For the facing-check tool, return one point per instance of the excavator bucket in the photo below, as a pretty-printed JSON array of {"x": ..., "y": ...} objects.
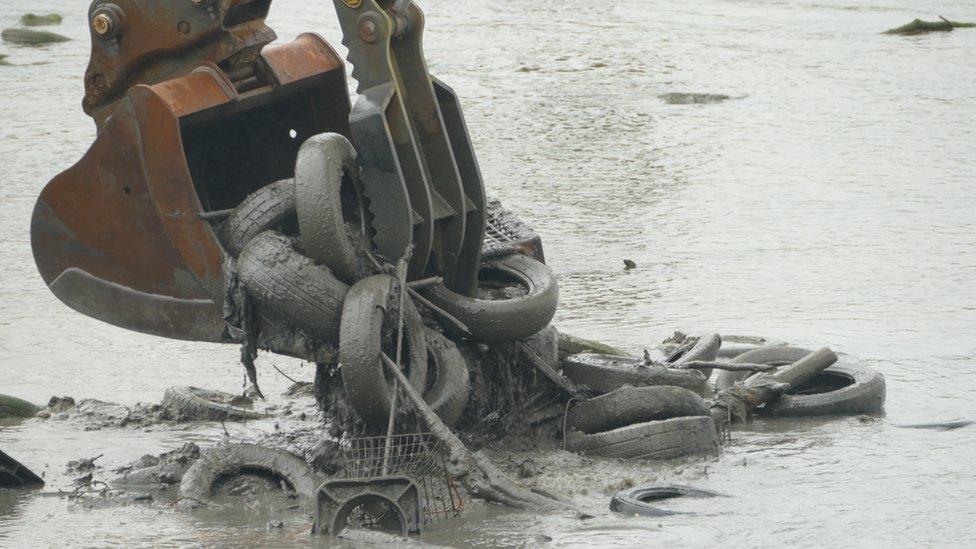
[{"x": 193, "y": 113}]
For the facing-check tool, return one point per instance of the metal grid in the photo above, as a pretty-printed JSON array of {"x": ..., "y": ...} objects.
[
  {"x": 505, "y": 233},
  {"x": 419, "y": 456}
]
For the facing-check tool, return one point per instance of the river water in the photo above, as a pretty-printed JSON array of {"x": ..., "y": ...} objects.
[{"x": 829, "y": 202}]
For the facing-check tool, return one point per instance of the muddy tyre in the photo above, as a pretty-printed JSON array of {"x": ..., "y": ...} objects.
[
  {"x": 329, "y": 205},
  {"x": 514, "y": 318},
  {"x": 665, "y": 439},
  {"x": 630, "y": 405},
  {"x": 846, "y": 387},
  {"x": 192, "y": 403},
  {"x": 264, "y": 209},
  {"x": 15, "y": 407},
  {"x": 233, "y": 459},
  {"x": 291, "y": 286},
  {"x": 362, "y": 340},
  {"x": 450, "y": 387},
  {"x": 602, "y": 374},
  {"x": 636, "y": 501}
]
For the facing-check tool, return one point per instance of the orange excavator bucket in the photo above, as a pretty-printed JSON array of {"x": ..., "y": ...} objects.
[{"x": 193, "y": 113}]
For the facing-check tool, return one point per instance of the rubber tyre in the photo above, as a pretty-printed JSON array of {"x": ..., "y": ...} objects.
[
  {"x": 15, "y": 407},
  {"x": 492, "y": 320},
  {"x": 368, "y": 386},
  {"x": 630, "y": 405},
  {"x": 634, "y": 501},
  {"x": 602, "y": 374},
  {"x": 864, "y": 394},
  {"x": 264, "y": 209},
  {"x": 192, "y": 403},
  {"x": 451, "y": 387},
  {"x": 665, "y": 439},
  {"x": 232, "y": 459},
  {"x": 324, "y": 160},
  {"x": 291, "y": 286}
]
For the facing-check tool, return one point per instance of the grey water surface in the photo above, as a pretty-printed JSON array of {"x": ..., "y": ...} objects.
[{"x": 830, "y": 200}]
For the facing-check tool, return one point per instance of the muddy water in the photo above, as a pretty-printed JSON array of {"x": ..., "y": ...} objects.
[{"x": 828, "y": 201}]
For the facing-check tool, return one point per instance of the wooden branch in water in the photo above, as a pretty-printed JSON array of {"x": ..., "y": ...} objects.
[
  {"x": 728, "y": 366},
  {"x": 739, "y": 400},
  {"x": 551, "y": 374}
]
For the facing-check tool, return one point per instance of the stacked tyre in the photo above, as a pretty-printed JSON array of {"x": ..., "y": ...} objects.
[
  {"x": 320, "y": 282},
  {"x": 654, "y": 422}
]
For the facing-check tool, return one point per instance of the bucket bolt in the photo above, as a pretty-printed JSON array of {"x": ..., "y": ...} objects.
[{"x": 107, "y": 21}]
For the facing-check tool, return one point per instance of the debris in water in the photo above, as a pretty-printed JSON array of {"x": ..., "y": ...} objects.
[
  {"x": 919, "y": 27},
  {"x": 4, "y": 62},
  {"x": 14, "y": 475},
  {"x": 30, "y": 37},
  {"x": 13, "y": 406},
  {"x": 940, "y": 425},
  {"x": 166, "y": 469},
  {"x": 629, "y": 264},
  {"x": 35, "y": 20},
  {"x": 678, "y": 98},
  {"x": 84, "y": 464},
  {"x": 57, "y": 404}
]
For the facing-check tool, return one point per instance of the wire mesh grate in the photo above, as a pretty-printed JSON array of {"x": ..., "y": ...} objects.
[{"x": 419, "y": 456}]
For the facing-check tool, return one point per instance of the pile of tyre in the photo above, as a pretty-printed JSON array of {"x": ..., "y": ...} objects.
[
  {"x": 303, "y": 254},
  {"x": 641, "y": 408}
]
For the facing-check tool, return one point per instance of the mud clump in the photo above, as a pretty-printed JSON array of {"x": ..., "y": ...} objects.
[
  {"x": 161, "y": 471},
  {"x": 96, "y": 414}
]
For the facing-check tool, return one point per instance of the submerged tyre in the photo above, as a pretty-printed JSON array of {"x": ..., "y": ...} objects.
[
  {"x": 637, "y": 501},
  {"x": 264, "y": 209},
  {"x": 363, "y": 340},
  {"x": 234, "y": 459},
  {"x": 329, "y": 205},
  {"x": 449, "y": 385},
  {"x": 665, "y": 439},
  {"x": 527, "y": 296},
  {"x": 602, "y": 374},
  {"x": 291, "y": 286},
  {"x": 630, "y": 405},
  {"x": 846, "y": 387},
  {"x": 192, "y": 403}
]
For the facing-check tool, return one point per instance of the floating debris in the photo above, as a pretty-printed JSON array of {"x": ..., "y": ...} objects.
[
  {"x": 35, "y": 20},
  {"x": 13, "y": 406},
  {"x": 920, "y": 27},
  {"x": 679, "y": 98},
  {"x": 30, "y": 37},
  {"x": 14, "y": 475}
]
